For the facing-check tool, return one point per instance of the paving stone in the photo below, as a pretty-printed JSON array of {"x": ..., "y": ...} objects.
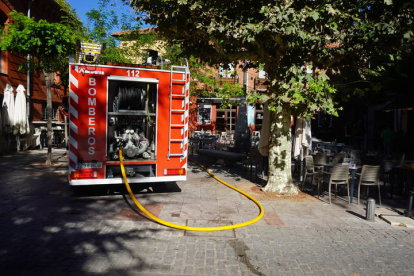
[{"x": 398, "y": 220}]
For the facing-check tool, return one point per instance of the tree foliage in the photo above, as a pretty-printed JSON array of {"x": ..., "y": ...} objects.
[
  {"x": 102, "y": 21},
  {"x": 50, "y": 43}
]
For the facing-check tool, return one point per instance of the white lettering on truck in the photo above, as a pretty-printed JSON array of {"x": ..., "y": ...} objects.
[{"x": 91, "y": 120}]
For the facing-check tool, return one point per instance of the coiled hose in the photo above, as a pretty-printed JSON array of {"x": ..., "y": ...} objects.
[{"x": 191, "y": 228}]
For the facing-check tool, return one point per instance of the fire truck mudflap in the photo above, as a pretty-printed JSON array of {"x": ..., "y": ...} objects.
[{"x": 143, "y": 110}]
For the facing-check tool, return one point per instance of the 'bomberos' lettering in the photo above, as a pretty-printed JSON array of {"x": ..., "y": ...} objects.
[{"x": 91, "y": 116}]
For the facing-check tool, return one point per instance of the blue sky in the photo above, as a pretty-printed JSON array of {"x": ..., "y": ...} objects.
[{"x": 84, "y": 6}]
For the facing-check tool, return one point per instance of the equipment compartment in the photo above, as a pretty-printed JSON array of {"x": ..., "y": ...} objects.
[
  {"x": 131, "y": 119},
  {"x": 132, "y": 171}
]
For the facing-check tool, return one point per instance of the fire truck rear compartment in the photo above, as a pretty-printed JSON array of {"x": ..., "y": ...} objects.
[
  {"x": 132, "y": 171},
  {"x": 131, "y": 125}
]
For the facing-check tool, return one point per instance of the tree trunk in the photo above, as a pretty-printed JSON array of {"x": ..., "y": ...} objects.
[
  {"x": 49, "y": 118},
  {"x": 280, "y": 151}
]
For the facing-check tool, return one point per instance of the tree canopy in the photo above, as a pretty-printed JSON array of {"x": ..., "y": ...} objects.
[
  {"x": 50, "y": 43},
  {"x": 332, "y": 36},
  {"x": 307, "y": 48}
]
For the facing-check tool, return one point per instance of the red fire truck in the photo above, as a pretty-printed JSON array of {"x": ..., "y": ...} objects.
[{"x": 143, "y": 110}]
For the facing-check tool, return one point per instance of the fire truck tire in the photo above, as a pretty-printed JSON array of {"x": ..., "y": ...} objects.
[
  {"x": 77, "y": 191},
  {"x": 191, "y": 228}
]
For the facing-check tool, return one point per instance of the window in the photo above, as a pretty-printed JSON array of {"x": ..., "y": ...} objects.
[
  {"x": 54, "y": 111},
  {"x": 262, "y": 74},
  {"x": 204, "y": 114},
  {"x": 226, "y": 120},
  {"x": 226, "y": 73}
]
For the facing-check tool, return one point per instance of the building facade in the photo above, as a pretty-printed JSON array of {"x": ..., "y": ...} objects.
[{"x": 10, "y": 74}]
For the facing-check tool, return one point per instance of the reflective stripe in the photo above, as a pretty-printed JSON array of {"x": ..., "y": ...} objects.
[{"x": 73, "y": 127}]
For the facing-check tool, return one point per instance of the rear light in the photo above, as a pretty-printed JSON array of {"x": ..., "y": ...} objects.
[
  {"x": 174, "y": 171},
  {"x": 84, "y": 174}
]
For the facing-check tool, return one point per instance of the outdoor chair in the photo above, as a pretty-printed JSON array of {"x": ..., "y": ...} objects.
[
  {"x": 356, "y": 154},
  {"x": 316, "y": 146},
  {"x": 338, "y": 157},
  {"x": 310, "y": 170},
  {"x": 355, "y": 161},
  {"x": 194, "y": 143},
  {"x": 208, "y": 142},
  {"x": 253, "y": 159},
  {"x": 338, "y": 176},
  {"x": 196, "y": 133},
  {"x": 347, "y": 150},
  {"x": 320, "y": 159},
  {"x": 230, "y": 139},
  {"x": 223, "y": 137},
  {"x": 386, "y": 170},
  {"x": 369, "y": 176}
]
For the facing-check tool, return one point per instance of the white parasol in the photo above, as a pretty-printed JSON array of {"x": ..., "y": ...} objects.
[
  {"x": 302, "y": 142},
  {"x": 297, "y": 142},
  {"x": 20, "y": 115},
  {"x": 303, "y": 138},
  {"x": 7, "y": 109}
]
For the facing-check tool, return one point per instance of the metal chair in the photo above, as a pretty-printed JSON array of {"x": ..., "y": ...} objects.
[
  {"x": 339, "y": 175},
  {"x": 369, "y": 176},
  {"x": 310, "y": 170}
]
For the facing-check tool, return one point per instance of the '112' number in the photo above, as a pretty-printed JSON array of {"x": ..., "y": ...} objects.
[{"x": 133, "y": 73}]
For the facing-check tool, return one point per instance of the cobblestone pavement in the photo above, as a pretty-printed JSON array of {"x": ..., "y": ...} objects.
[{"x": 45, "y": 230}]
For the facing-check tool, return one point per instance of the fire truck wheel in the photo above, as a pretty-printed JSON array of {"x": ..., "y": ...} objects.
[{"x": 77, "y": 191}]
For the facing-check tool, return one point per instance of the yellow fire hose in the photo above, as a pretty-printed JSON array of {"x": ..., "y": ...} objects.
[{"x": 191, "y": 228}]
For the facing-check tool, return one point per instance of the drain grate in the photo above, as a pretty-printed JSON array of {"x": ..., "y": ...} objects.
[{"x": 210, "y": 223}]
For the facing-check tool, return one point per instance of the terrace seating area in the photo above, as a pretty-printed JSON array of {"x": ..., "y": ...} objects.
[
  {"x": 387, "y": 175},
  {"x": 367, "y": 174}
]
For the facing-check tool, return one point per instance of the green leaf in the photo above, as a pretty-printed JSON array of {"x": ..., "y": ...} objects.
[
  {"x": 279, "y": 108},
  {"x": 314, "y": 15}
]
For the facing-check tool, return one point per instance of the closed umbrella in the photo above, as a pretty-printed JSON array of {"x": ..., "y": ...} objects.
[
  {"x": 302, "y": 141},
  {"x": 297, "y": 142},
  {"x": 7, "y": 109},
  {"x": 303, "y": 137},
  {"x": 307, "y": 135},
  {"x": 242, "y": 132},
  {"x": 20, "y": 116}
]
